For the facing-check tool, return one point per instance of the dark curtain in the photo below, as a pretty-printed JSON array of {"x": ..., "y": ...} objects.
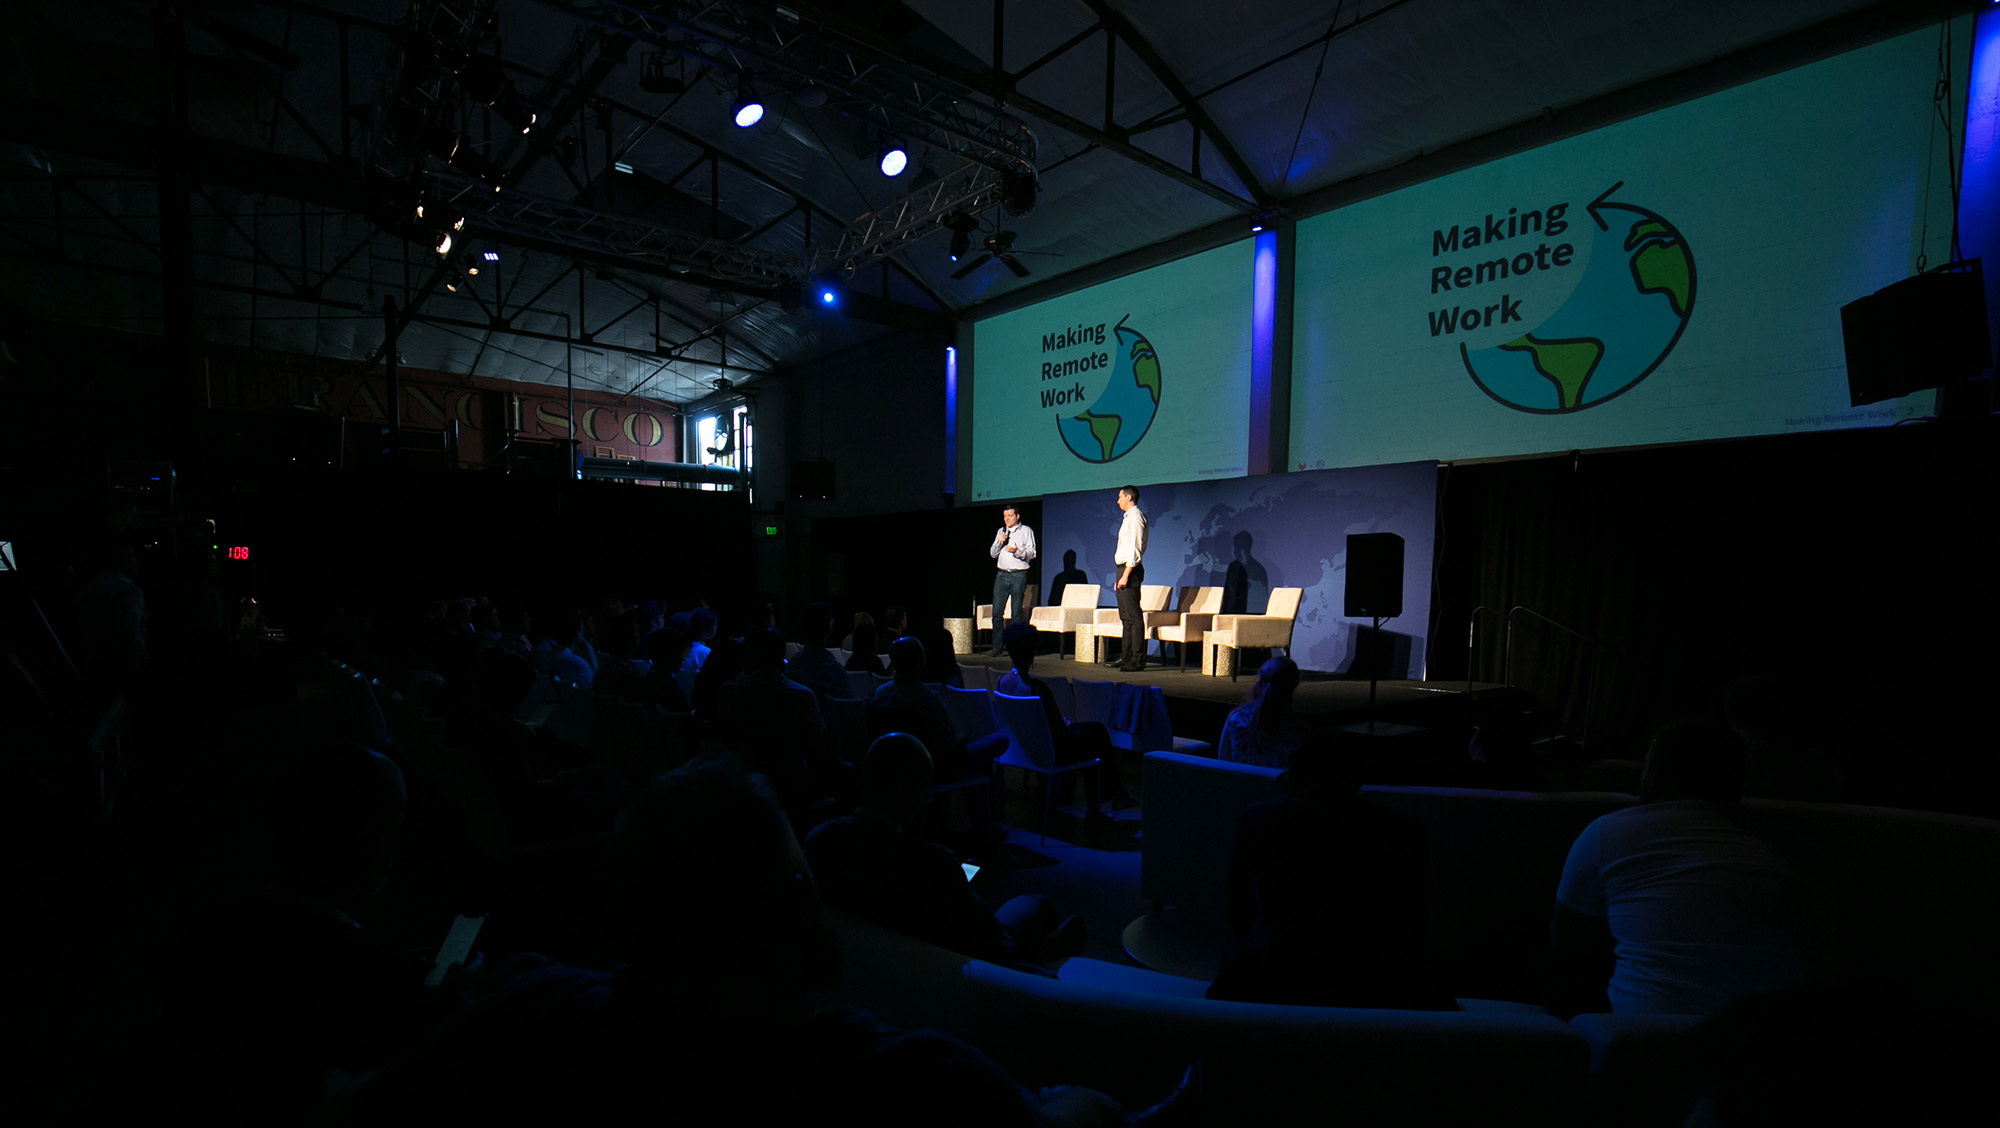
[{"x": 1854, "y": 565}]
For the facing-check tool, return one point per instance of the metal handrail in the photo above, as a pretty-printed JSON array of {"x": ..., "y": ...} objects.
[{"x": 1507, "y": 654}]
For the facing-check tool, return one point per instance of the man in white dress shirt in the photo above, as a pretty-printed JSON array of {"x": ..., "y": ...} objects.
[
  {"x": 1013, "y": 547},
  {"x": 1130, "y": 558}
]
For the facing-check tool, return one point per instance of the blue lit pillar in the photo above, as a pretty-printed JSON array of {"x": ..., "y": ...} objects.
[
  {"x": 950, "y": 420},
  {"x": 1979, "y": 194},
  {"x": 1271, "y": 349}
]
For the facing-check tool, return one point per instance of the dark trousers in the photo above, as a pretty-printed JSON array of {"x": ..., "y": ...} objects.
[
  {"x": 1133, "y": 650},
  {"x": 1007, "y": 584}
]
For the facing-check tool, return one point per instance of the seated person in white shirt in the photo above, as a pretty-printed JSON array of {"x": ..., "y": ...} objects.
[{"x": 1671, "y": 906}]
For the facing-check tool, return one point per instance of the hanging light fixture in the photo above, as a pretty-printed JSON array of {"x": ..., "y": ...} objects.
[
  {"x": 748, "y": 109},
  {"x": 893, "y": 158}
]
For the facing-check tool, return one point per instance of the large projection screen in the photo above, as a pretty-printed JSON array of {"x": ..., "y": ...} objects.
[
  {"x": 1139, "y": 380},
  {"x": 1677, "y": 276}
]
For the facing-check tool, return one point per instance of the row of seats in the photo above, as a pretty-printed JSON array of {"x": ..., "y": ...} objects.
[{"x": 1196, "y": 620}]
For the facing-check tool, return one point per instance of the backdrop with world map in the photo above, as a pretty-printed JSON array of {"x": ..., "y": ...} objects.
[{"x": 1288, "y": 530}]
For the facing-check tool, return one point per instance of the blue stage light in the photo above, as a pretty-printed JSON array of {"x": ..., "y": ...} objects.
[{"x": 894, "y": 158}]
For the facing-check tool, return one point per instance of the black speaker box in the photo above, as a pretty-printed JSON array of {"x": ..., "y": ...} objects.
[
  {"x": 812, "y": 479},
  {"x": 1915, "y": 334},
  {"x": 1374, "y": 575}
]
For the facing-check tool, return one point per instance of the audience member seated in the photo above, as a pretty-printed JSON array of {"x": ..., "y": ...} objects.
[
  {"x": 1779, "y": 763},
  {"x": 861, "y": 653},
  {"x": 774, "y": 723},
  {"x": 940, "y": 660},
  {"x": 1084, "y": 740},
  {"x": 1327, "y": 898},
  {"x": 699, "y": 625},
  {"x": 724, "y": 662},
  {"x": 895, "y": 623},
  {"x": 661, "y": 686},
  {"x": 514, "y": 758},
  {"x": 904, "y": 702},
  {"x": 814, "y": 666},
  {"x": 278, "y": 992},
  {"x": 1264, "y": 730},
  {"x": 571, "y": 657},
  {"x": 709, "y": 1019},
  {"x": 906, "y": 695},
  {"x": 860, "y": 617},
  {"x": 515, "y": 634},
  {"x": 618, "y": 670},
  {"x": 872, "y": 865},
  {"x": 1671, "y": 907}
]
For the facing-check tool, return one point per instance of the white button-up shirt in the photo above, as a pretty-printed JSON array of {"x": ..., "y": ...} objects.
[
  {"x": 1023, "y": 540},
  {"x": 1131, "y": 539}
]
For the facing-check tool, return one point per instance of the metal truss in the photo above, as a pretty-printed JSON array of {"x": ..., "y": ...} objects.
[
  {"x": 796, "y": 48},
  {"x": 594, "y": 235},
  {"x": 883, "y": 232},
  {"x": 419, "y": 91}
]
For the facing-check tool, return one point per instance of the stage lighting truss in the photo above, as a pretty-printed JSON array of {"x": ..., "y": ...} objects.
[
  {"x": 789, "y": 51},
  {"x": 418, "y": 108},
  {"x": 523, "y": 220},
  {"x": 793, "y": 49}
]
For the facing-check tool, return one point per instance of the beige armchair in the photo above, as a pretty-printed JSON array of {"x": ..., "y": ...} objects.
[
  {"x": 1187, "y": 626},
  {"x": 1272, "y": 630},
  {"x": 1106, "y": 624},
  {"x": 982, "y": 614},
  {"x": 1079, "y": 604}
]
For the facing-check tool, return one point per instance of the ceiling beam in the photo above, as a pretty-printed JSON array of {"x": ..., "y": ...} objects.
[
  {"x": 1000, "y": 88},
  {"x": 1121, "y": 27}
]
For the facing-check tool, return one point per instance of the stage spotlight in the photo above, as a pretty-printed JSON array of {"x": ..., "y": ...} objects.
[
  {"x": 962, "y": 226},
  {"x": 516, "y": 113},
  {"x": 490, "y": 256},
  {"x": 894, "y": 159},
  {"x": 748, "y": 109},
  {"x": 1262, "y": 220},
  {"x": 826, "y": 295},
  {"x": 444, "y": 243}
]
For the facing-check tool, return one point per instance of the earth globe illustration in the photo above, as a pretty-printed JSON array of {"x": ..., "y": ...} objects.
[
  {"x": 1125, "y": 405},
  {"x": 1624, "y": 315}
]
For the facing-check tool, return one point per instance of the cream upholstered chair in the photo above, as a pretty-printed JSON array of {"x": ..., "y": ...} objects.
[
  {"x": 1079, "y": 604},
  {"x": 1185, "y": 627},
  {"x": 1272, "y": 630},
  {"x": 1105, "y": 624},
  {"x": 982, "y": 614}
]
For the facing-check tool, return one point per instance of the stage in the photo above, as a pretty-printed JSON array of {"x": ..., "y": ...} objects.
[{"x": 1198, "y": 704}]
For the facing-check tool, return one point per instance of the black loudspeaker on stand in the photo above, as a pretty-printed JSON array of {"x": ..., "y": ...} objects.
[{"x": 1375, "y": 591}]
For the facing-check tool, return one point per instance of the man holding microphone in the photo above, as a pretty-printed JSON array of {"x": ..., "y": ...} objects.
[{"x": 1013, "y": 547}]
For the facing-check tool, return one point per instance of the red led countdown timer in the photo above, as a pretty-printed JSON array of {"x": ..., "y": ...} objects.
[{"x": 239, "y": 552}]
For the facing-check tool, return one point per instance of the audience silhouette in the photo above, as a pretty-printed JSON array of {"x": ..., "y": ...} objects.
[{"x": 1671, "y": 906}]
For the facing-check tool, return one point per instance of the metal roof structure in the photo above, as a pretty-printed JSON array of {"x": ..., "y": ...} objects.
[{"x": 253, "y": 159}]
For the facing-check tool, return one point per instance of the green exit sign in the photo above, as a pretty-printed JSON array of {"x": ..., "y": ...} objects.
[{"x": 770, "y": 530}]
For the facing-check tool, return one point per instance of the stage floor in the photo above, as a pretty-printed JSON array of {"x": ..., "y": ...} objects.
[{"x": 1318, "y": 695}]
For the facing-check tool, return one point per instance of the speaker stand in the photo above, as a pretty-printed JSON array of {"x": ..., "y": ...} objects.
[{"x": 1373, "y": 727}]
